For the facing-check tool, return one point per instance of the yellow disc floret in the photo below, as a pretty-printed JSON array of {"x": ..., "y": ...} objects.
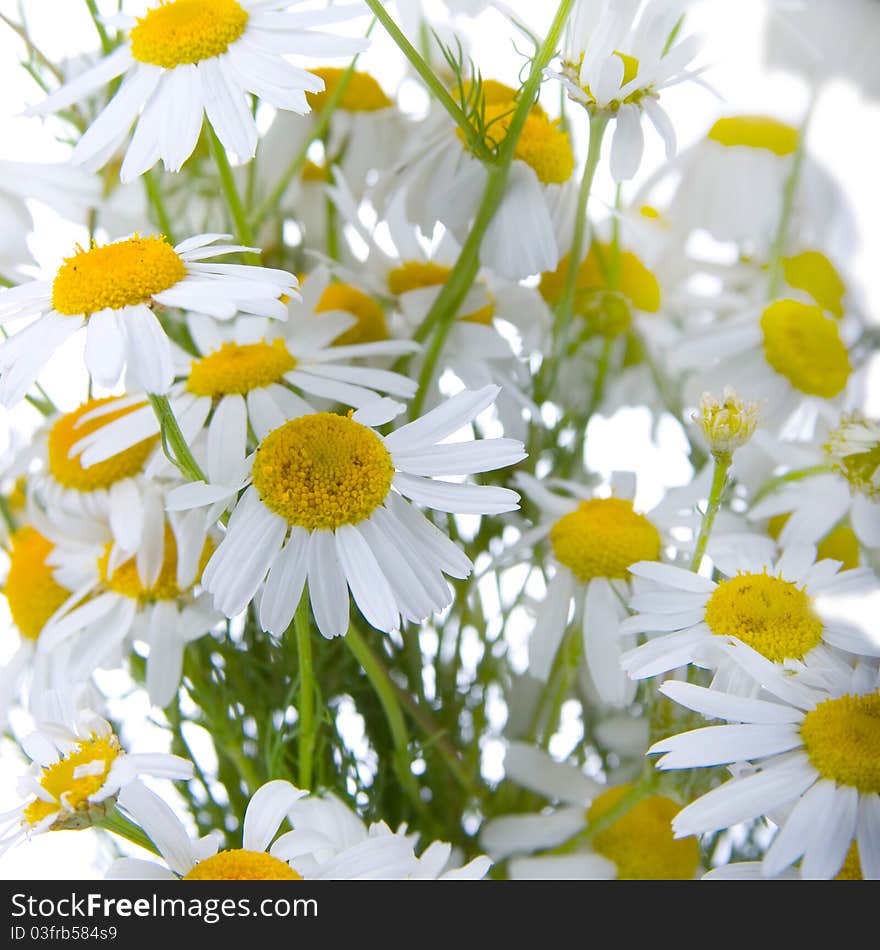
[
  {"x": 361, "y": 94},
  {"x": 71, "y": 781},
  {"x": 370, "y": 327},
  {"x": 852, "y": 866},
  {"x": 842, "y": 739},
  {"x": 755, "y": 131},
  {"x": 640, "y": 843},
  {"x": 31, "y": 591},
  {"x": 126, "y": 581},
  {"x": 603, "y": 537},
  {"x": 771, "y": 615},
  {"x": 322, "y": 471},
  {"x": 237, "y": 368},
  {"x": 187, "y": 31},
  {"x": 417, "y": 275},
  {"x": 840, "y": 544},
  {"x": 116, "y": 275},
  {"x": 240, "y": 865},
  {"x": 805, "y": 347},
  {"x": 542, "y": 145},
  {"x": 68, "y": 430},
  {"x": 812, "y": 272}
]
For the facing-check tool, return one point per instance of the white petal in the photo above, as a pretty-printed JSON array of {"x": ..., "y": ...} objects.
[
  {"x": 370, "y": 588},
  {"x": 328, "y": 591},
  {"x": 284, "y": 585},
  {"x": 266, "y": 810}
]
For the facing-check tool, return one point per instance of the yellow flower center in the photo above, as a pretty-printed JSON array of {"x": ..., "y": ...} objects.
[
  {"x": 840, "y": 544},
  {"x": 770, "y": 615},
  {"x": 362, "y": 94},
  {"x": 603, "y": 271},
  {"x": 241, "y": 865},
  {"x": 187, "y": 31},
  {"x": 321, "y": 471},
  {"x": 812, "y": 272},
  {"x": 72, "y": 780},
  {"x": 313, "y": 172},
  {"x": 804, "y": 346},
  {"x": 852, "y": 866},
  {"x": 542, "y": 145},
  {"x": 640, "y": 843},
  {"x": 31, "y": 591},
  {"x": 237, "y": 368},
  {"x": 17, "y": 498},
  {"x": 116, "y": 275},
  {"x": 630, "y": 71},
  {"x": 126, "y": 581},
  {"x": 68, "y": 430},
  {"x": 603, "y": 537},
  {"x": 756, "y": 131},
  {"x": 860, "y": 470},
  {"x": 370, "y": 327},
  {"x": 842, "y": 739},
  {"x": 416, "y": 275}
]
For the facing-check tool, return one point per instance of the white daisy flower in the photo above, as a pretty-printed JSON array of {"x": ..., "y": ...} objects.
[
  {"x": 32, "y": 596},
  {"x": 732, "y": 184},
  {"x": 146, "y": 597},
  {"x": 753, "y": 870},
  {"x": 112, "y": 291},
  {"x": 638, "y": 845},
  {"x": 814, "y": 751},
  {"x": 79, "y": 769},
  {"x": 795, "y": 359},
  {"x": 763, "y": 604},
  {"x": 616, "y": 62},
  {"x": 325, "y": 501},
  {"x": 330, "y": 841},
  {"x": 187, "y": 58},
  {"x": 251, "y": 376},
  {"x": 837, "y": 510},
  {"x": 444, "y": 181},
  {"x": 593, "y": 542}
]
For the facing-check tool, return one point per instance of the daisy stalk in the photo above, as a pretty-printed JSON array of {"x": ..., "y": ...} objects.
[
  {"x": 173, "y": 442},
  {"x": 721, "y": 465},
  {"x": 230, "y": 193},
  {"x": 440, "y": 317},
  {"x": 306, "y": 708},
  {"x": 117, "y": 824}
]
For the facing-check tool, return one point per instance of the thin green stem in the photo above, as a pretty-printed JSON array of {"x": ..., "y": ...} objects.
[
  {"x": 157, "y": 202},
  {"x": 721, "y": 462},
  {"x": 440, "y": 317},
  {"x": 303, "y": 629},
  {"x": 381, "y": 681},
  {"x": 230, "y": 193},
  {"x": 270, "y": 203},
  {"x": 176, "y": 449},
  {"x": 780, "y": 241},
  {"x": 438, "y": 90},
  {"x": 118, "y": 824},
  {"x": 106, "y": 43}
]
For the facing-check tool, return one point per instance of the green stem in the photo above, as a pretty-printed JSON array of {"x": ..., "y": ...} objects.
[
  {"x": 176, "y": 449},
  {"x": 7, "y": 515},
  {"x": 780, "y": 241},
  {"x": 439, "y": 91},
  {"x": 33, "y": 50},
  {"x": 230, "y": 193},
  {"x": 719, "y": 479},
  {"x": 118, "y": 824},
  {"x": 270, "y": 204},
  {"x": 384, "y": 687},
  {"x": 794, "y": 476},
  {"x": 154, "y": 196},
  {"x": 440, "y": 317},
  {"x": 303, "y": 628},
  {"x": 106, "y": 44}
]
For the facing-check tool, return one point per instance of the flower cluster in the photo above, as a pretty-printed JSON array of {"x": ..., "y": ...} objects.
[{"x": 323, "y": 480}]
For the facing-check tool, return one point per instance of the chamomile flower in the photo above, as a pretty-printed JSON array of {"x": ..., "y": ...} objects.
[
  {"x": 638, "y": 845},
  {"x": 185, "y": 59},
  {"x": 616, "y": 62},
  {"x": 838, "y": 510},
  {"x": 32, "y": 595},
  {"x": 325, "y": 500},
  {"x": 593, "y": 541},
  {"x": 148, "y": 596},
  {"x": 251, "y": 376},
  {"x": 112, "y": 290},
  {"x": 795, "y": 359},
  {"x": 753, "y": 870},
  {"x": 79, "y": 768},
  {"x": 813, "y": 751},
  {"x": 443, "y": 180},
  {"x": 764, "y": 605}
]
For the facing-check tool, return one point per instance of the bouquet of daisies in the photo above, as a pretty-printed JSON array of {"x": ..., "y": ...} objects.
[{"x": 313, "y": 565}]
